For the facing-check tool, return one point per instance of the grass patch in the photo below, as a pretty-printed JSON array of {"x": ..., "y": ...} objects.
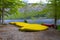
[{"x": 58, "y": 27}]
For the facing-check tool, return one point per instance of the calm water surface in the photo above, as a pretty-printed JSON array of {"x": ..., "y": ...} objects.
[{"x": 47, "y": 21}]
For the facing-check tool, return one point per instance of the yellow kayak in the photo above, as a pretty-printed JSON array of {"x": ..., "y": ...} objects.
[
  {"x": 19, "y": 23},
  {"x": 29, "y": 26},
  {"x": 34, "y": 27}
]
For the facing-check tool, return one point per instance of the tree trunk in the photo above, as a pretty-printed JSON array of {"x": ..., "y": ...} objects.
[
  {"x": 0, "y": 18},
  {"x": 55, "y": 23},
  {"x": 2, "y": 15},
  {"x": 55, "y": 16}
]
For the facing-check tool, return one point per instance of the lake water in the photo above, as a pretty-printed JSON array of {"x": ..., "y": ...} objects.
[{"x": 47, "y": 21}]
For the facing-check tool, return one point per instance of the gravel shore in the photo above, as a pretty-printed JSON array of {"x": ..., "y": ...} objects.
[{"x": 11, "y": 32}]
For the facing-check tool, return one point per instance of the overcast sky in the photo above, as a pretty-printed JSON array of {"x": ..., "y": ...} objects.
[{"x": 35, "y": 1}]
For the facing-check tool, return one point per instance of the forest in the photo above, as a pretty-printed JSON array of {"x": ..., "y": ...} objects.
[{"x": 19, "y": 9}]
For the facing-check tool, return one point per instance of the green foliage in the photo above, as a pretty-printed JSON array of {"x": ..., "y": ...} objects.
[
  {"x": 12, "y": 11},
  {"x": 48, "y": 11},
  {"x": 54, "y": 7},
  {"x": 11, "y": 7},
  {"x": 10, "y": 3}
]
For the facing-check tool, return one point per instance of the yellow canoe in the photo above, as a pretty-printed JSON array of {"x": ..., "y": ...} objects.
[
  {"x": 19, "y": 23},
  {"x": 28, "y": 26},
  {"x": 34, "y": 27}
]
